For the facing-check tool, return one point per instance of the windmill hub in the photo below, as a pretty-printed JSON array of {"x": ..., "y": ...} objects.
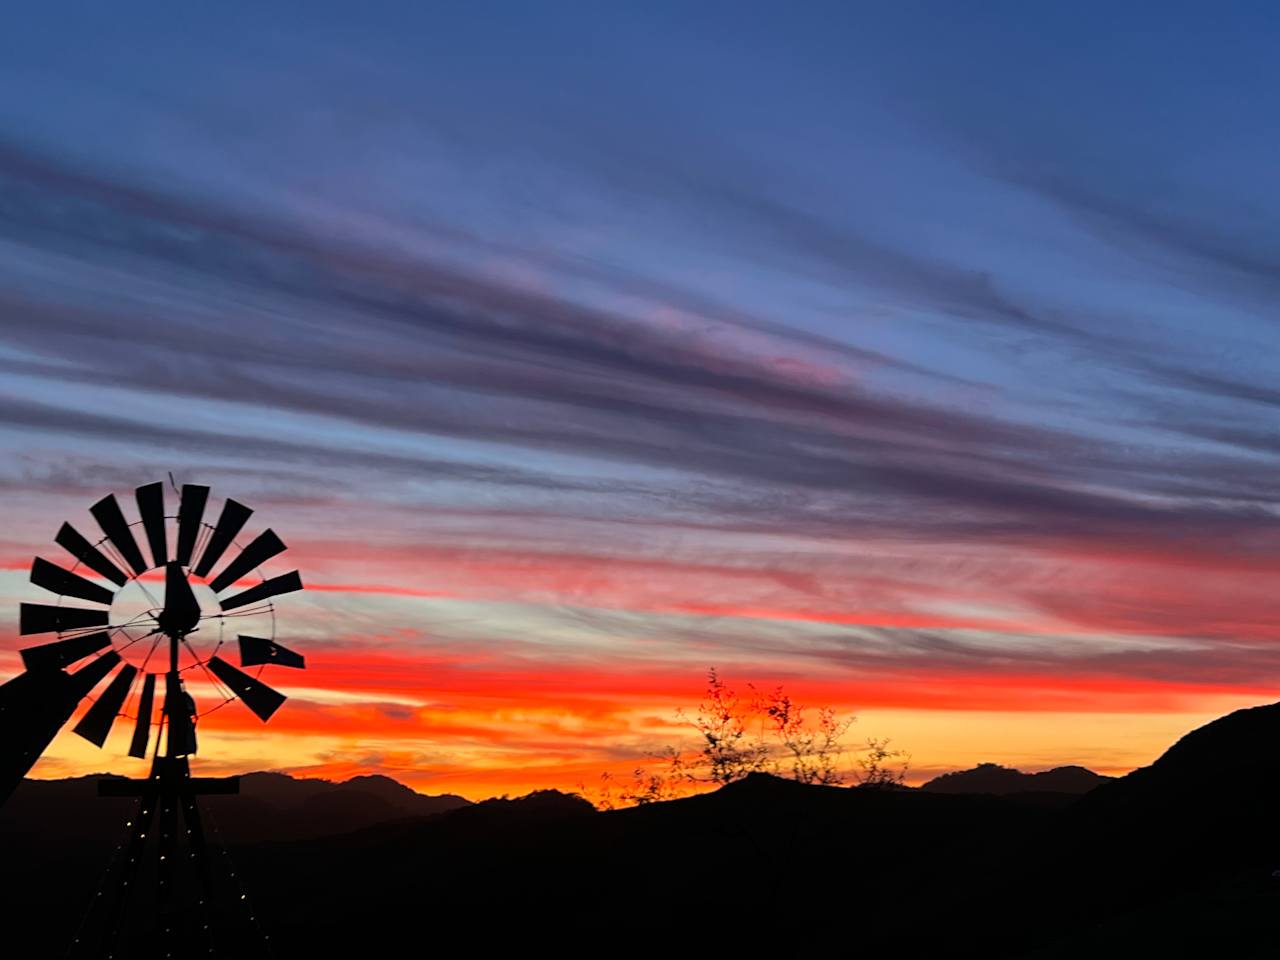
[{"x": 181, "y": 610}]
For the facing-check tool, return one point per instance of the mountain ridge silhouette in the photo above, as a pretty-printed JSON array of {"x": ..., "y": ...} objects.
[{"x": 1174, "y": 860}]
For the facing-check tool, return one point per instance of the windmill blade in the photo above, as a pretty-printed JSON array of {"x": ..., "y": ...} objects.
[
  {"x": 63, "y": 653},
  {"x": 96, "y": 723},
  {"x": 257, "y": 696},
  {"x": 265, "y": 546},
  {"x": 64, "y": 583},
  {"x": 142, "y": 729},
  {"x": 70, "y": 539},
  {"x": 190, "y": 513},
  {"x": 43, "y": 618},
  {"x": 150, "y": 499},
  {"x": 111, "y": 519},
  {"x": 230, "y": 522},
  {"x": 89, "y": 676},
  {"x": 285, "y": 583},
  {"x": 257, "y": 650}
]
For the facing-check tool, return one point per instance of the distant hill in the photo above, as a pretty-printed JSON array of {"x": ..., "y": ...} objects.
[
  {"x": 270, "y": 806},
  {"x": 993, "y": 778}
]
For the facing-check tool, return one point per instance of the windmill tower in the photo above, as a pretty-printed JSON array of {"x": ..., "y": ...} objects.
[{"x": 166, "y": 617}]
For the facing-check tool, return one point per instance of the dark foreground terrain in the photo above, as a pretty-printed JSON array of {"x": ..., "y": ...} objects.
[{"x": 1174, "y": 860}]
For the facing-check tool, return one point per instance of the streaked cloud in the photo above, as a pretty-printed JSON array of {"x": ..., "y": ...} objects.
[{"x": 810, "y": 356}]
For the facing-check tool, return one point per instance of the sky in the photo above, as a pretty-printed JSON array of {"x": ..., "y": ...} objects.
[{"x": 918, "y": 357}]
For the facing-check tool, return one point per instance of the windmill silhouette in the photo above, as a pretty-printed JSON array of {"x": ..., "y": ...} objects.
[{"x": 152, "y": 606}]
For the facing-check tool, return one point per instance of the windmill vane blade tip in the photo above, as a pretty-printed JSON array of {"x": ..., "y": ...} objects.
[
  {"x": 257, "y": 696},
  {"x": 96, "y": 724},
  {"x": 64, "y": 583},
  {"x": 262, "y": 548},
  {"x": 255, "y": 651},
  {"x": 232, "y": 519},
  {"x": 150, "y": 498},
  {"x": 111, "y": 519},
  {"x": 62, "y": 653},
  {"x": 71, "y": 540},
  {"x": 191, "y": 506},
  {"x": 45, "y": 618}
]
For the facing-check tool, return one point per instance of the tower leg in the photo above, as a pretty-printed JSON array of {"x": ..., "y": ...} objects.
[
  {"x": 102, "y": 932},
  {"x": 183, "y": 893}
]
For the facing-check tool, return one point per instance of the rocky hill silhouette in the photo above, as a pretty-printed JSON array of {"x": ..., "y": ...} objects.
[
  {"x": 1223, "y": 766},
  {"x": 1174, "y": 859},
  {"x": 993, "y": 778}
]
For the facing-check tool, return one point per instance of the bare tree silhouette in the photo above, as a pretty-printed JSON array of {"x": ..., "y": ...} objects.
[
  {"x": 765, "y": 732},
  {"x": 729, "y": 750},
  {"x": 812, "y": 749},
  {"x": 881, "y": 767}
]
